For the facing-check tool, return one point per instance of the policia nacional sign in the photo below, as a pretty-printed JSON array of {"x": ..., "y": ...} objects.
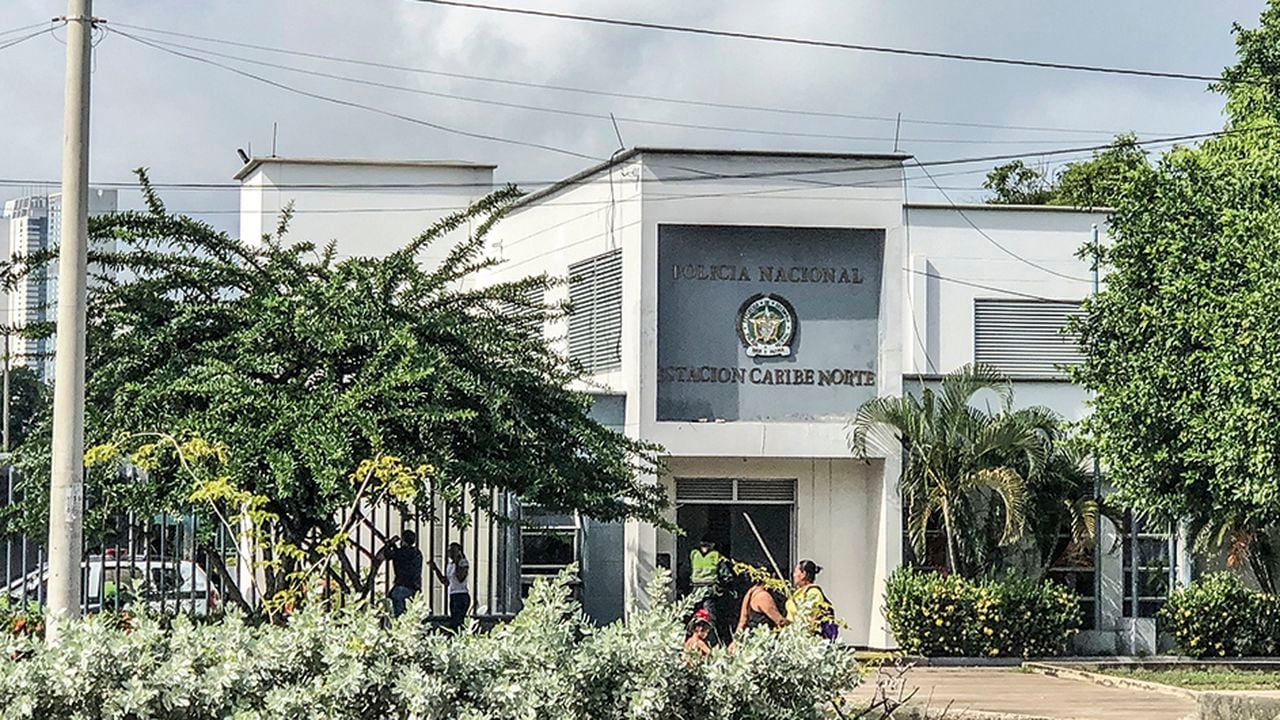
[{"x": 766, "y": 323}]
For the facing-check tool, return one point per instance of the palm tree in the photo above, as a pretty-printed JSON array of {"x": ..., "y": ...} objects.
[
  {"x": 1062, "y": 511},
  {"x": 958, "y": 456}
]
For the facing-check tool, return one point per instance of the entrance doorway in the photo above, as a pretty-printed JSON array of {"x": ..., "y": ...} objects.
[
  {"x": 749, "y": 520},
  {"x": 726, "y": 525}
]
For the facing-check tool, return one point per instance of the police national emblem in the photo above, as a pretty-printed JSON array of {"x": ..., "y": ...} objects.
[{"x": 766, "y": 326}]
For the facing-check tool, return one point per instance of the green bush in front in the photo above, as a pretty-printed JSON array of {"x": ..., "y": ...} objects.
[
  {"x": 548, "y": 663},
  {"x": 1219, "y": 616},
  {"x": 948, "y": 616}
]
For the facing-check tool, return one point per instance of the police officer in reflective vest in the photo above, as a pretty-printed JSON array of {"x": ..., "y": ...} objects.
[{"x": 704, "y": 567}]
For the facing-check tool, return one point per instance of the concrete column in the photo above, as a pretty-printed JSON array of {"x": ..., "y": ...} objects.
[{"x": 888, "y": 549}]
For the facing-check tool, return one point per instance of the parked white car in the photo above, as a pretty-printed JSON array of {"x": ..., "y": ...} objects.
[{"x": 167, "y": 586}]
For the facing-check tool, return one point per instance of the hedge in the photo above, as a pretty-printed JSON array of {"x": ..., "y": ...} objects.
[
  {"x": 549, "y": 662},
  {"x": 949, "y": 616},
  {"x": 1218, "y": 615}
]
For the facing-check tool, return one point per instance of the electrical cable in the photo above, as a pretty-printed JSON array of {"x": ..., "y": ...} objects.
[
  {"x": 606, "y": 116},
  {"x": 980, "y": 286},
  {"x": 935, "y": 276},
  {"x": 360, "y": 106},
  {"x": 24, "y": 28},
  {"x": 621, "y": 95},
  {"x": 830, "y": 44},
  {"x": 906, "y": 294},
  {"x": 18, "y": 41},
  {"x": 1061, "y": 153},
  {"x": 993, "y": 241}
]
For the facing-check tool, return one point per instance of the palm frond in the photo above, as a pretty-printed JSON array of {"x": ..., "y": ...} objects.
[
  {"x": 959, "y": 387},
  {"x": 1011, "y": 489}
]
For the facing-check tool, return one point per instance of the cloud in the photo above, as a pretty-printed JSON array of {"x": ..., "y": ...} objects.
[{"x": 185, "y": 120}]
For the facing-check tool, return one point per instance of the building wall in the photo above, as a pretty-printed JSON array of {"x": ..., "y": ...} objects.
[
  {"x": 355, "y": 208},
  {"x": 950, "y": 264},
  {"x": 580, "y": 222},
  {"x": 936, "y": 264},
  {"x": 828, "y": 193}
]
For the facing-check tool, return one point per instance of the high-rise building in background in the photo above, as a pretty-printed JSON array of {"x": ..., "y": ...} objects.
[{"x": 35, "y": 224}]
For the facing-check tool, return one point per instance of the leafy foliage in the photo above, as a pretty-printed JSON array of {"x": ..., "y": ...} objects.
[
  {"x": 960, "y": 460},
  {"x": 304, "y": 365},
  {"x": 1096, "y": 182},
  {"x": 1181, "y": 346},
  {"x": 940, "y": 616},
  {"x": 1219, "y": 616},
  {"x": 28, "y": 400},
  {"x": 550, "y": 662}
]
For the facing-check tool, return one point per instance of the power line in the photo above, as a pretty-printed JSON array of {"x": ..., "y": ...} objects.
[
  {"x": 980, "y": 286},
  {"x": 604, "y": 116},
  {"x": 18, "y": 41},
  {"x": 617, "y": 94},
  {"x": 595, "y": 236},
  {"x": 1063, "y": 154},
  {"x": 830, "y": 44},
  {"x": 578, "y": 203},
  {"x": 24, "y": 28},
  {"x": 357, "y": 105}
]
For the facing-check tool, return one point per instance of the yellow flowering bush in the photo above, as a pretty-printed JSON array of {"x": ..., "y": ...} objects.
[
  {"x": 950, "y": 616},
  {"x": 1219, "y": 616}
]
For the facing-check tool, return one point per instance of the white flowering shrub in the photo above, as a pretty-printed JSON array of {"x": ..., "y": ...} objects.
[{"x": 548, "y": 663}]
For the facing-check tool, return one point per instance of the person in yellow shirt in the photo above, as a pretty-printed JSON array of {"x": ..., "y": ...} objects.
[
  {"x": 821, "y": 616},
  {"x": 704, "y": 565},
  {"x": 704, "y": 573}
]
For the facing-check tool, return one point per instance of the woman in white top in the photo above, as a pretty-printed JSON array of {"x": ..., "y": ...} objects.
[{"x": 455, "y": 578}]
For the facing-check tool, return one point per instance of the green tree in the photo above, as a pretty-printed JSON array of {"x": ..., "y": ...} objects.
[
  {"x": 1016, "y": 183},
  {"x": 28, "y": 398},
  {"x": 304, "y": 366},
  {"x": 959, "y": 459},
  {"x": 1181, "y": 347},
  {"x": 1096, "y": 182}
]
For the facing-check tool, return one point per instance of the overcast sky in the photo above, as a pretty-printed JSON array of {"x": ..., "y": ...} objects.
[{"x": 185, "y": 120}]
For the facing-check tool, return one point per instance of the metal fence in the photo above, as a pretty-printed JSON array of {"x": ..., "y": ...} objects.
[{"x": 177, "y": 563}]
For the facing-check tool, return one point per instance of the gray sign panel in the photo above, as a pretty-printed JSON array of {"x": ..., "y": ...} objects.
[{"x": 766, "y": 323}]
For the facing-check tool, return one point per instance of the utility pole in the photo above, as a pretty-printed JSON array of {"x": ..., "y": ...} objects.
[
  {"x": 1097, "y": 479},
  {"x": 7, "y": 397},
  {"x": 66, "y": 478}
]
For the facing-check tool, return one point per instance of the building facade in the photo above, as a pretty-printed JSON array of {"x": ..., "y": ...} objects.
[
  {"x": 738, "y": 307},
  {"x": 364, "y": 207}
]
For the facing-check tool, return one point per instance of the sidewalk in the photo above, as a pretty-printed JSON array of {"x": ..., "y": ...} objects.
[{"x": 1012, "y": 692}]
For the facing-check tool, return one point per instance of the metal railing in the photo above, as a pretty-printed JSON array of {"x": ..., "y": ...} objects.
[{"x": 183, "y": 563}]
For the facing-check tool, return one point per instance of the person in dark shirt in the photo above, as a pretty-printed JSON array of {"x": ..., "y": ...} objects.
[{"x": 406, "y": 566}]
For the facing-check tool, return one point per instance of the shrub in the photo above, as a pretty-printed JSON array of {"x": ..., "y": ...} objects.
[
  {"x": 949, "y": 616},
  {"x": 549, "y": 662},
  {"x": 1218, "y": 615},
  {"x": 19, "y": 620}
]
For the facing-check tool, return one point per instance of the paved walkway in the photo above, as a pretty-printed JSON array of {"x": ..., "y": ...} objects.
[{"x": 1012, "y": 691}]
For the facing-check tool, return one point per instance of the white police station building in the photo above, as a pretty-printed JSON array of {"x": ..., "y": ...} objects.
[{"x": 737, "y": 307}]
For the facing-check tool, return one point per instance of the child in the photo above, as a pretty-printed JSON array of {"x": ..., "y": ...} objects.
[{"x": 696, "y": 635}]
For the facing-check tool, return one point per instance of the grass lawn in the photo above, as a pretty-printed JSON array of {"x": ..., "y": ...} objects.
[{"x": 1205, "y": 679}]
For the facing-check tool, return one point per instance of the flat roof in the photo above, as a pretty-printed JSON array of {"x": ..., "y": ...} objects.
[
  {"x": 1002, "y": 207},
  {"x": 256, "y": 162},
  {"x": 622, "y": 157}
]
